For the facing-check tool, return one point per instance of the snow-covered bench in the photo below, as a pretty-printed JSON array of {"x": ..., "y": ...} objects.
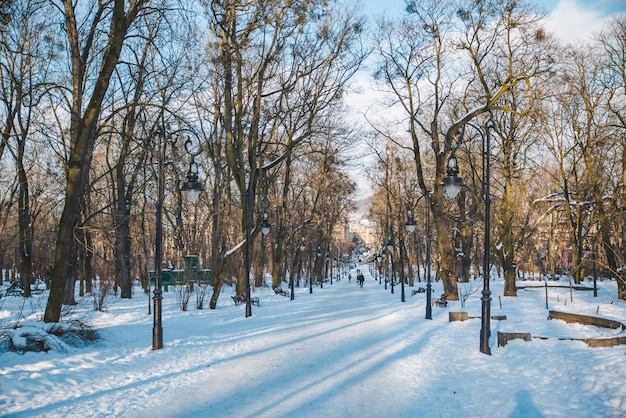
[
  {"x": 14, "y": 290},
  {"x": 37, "y": 290},
  {"x": 442, "y": 301},
  {"x": 242, "y": 299},
  {"x": 280, "y": 291}
]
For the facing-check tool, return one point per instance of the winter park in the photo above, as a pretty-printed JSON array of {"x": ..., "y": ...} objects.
[{"x": 313, "y": 208}]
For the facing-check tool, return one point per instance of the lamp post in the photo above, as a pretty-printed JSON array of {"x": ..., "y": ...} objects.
[
  {"x": 247, "y": 211},
  {"x": 192, "y": 188},
  {"x": 410, "y": 226},
  {"x": 452, "y": 183},
  {"x": 326, "y": 268},
  {"x": 333, "y": 269},
  {"x": 302, "y": 247},
  {"x": 265, "y": 229},
  {"x": 376, "y": 267},
  {"x": 390, "y": 252},
  {"x": 594, "y": 258},
  {"x": 378, "y": 258},
  {"x": 318, "y": 254},
  {"x": 402, "y": 276},
  {"x": 592, "y": 254},
  {"x": 383, "y": 267},
  {"x": 299, "y": 256}
]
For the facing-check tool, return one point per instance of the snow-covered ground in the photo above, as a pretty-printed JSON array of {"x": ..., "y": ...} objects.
[{"x": 343, "y": 351}]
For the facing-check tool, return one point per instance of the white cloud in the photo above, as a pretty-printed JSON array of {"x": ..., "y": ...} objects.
[{"x": 572, "y": 22}]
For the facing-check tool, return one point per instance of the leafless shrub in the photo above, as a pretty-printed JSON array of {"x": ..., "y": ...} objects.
[
  {"x": 100, "y": 292},
  {"x": 183, "y": 294},
  {"x": 466, "y": 290},
  {"x": 201, "y": 292}
]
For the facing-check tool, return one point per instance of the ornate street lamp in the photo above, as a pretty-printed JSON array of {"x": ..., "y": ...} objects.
[
  {"x": 265, "y": 224},
  {"x": 192, "y": 187},
  {"x": 410, "y": 223},
  {"x": 452, "y": 182}
]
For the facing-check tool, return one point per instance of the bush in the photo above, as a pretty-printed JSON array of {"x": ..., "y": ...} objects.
[{"x": 40, "y": 336}]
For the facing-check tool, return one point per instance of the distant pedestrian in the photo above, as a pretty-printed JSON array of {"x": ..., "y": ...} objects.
[
  {"x": 360, "y": 278},
  {"x": 349, "y": 277}
]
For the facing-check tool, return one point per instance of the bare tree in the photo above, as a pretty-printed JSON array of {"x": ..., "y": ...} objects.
[
  {"x": 280, "y": 66},
  {"x": 416, "y": 63},
  {"x": 613, "y": 42},
  {"x": 23, "y": 70},
  {"x": 85, "y": 111}
]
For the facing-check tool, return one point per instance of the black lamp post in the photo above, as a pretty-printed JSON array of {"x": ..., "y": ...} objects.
[
  {"x": 378, "y": 258},
  {"x": 452, "y": 183},
  {"x": 247, "y": 210},
  {"x": 402, "y": 276},
  {"x": 376, "y": 267},
  {"x": 192, "y": 187},
  {"x": 265, "y": 229},
  {"x": 595, "y": 276},
  {"x": 317, "y": 258},
  {"x": 326, "y": 268},
  {"x": 390, "y": 252},
  {"x": 410, "y": 226},
  {"x": 302, "y": 247},
  {"x": 592, "y": 254},
  {"x": 383, "y": 253}
]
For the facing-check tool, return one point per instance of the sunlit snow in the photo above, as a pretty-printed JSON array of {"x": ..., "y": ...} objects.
[{"x": 343, "y": 351}]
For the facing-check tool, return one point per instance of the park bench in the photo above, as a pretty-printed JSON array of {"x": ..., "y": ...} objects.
[
  {"x": 418, "y": 290},
  {"x": 37, "y": 290},
  {"x": 14, "y": 290},
  {"x": 239, "y": 300},
  {"x": 280, "y": 291},
  {"x": 441, "y": 301}
]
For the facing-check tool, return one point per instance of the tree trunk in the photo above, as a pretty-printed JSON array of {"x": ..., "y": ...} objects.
[
  {"x": 467, "y": 237},
  {"x": 85, "y": 259},
  {"x": 446, "y": 251},
  {"x": 122, "y": 260},
  {"x": 218, "y": 280},
  {"x": 217, "y": 236},
  {"x": 123, "y": 247},
  {"x": 25, "y": 232},
  {"x": 69, "y": 297}
]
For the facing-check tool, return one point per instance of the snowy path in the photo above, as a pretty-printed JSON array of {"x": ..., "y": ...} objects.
[
  {"x": 342, "y": 352},
  {"x": 340, "y": 356}
]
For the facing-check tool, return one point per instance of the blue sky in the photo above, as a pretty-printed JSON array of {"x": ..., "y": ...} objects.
[
  {"x": 603, "y": 7},
  {"x": 570, "y": 20}
]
